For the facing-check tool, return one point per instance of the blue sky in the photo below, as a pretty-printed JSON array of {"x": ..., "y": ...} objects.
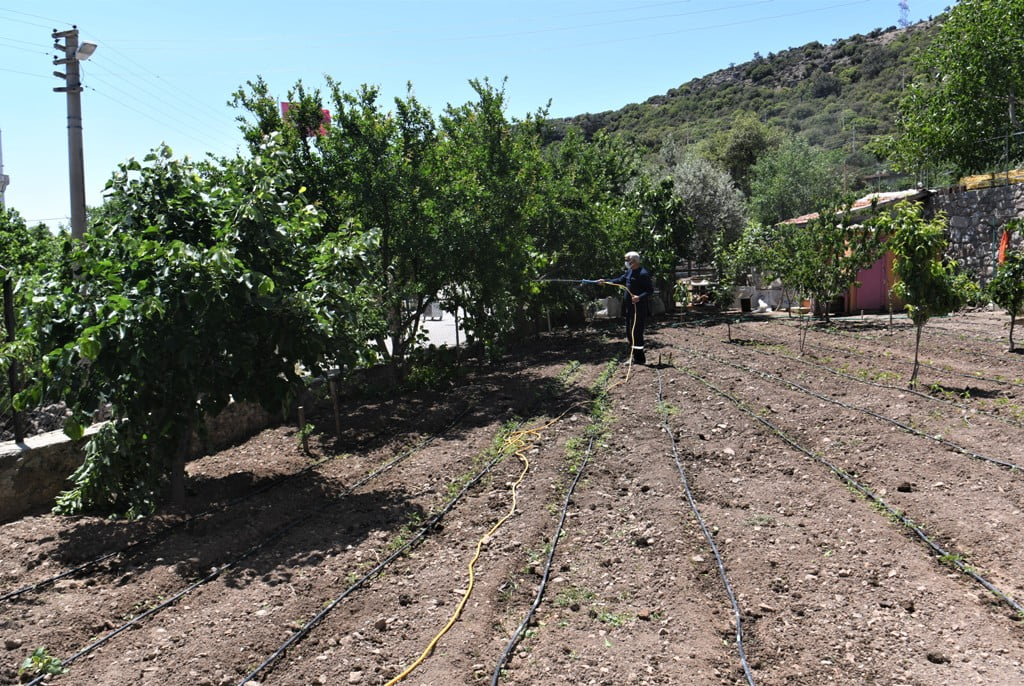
[{"x": 164, "y": 71}]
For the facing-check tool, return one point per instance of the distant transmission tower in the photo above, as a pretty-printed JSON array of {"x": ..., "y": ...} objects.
[{"x": 904, "y": 13}]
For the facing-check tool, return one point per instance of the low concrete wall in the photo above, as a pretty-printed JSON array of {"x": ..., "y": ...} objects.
[{"x": 35, "y": 471}]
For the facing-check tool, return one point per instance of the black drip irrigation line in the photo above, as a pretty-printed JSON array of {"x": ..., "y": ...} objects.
[
  {"x": 901, "y": 389},
  {"x": 167, "y": 531},
  {"x": 421, "y": 535},
  {"x": 955, "y": 447},
  {"x": 952, "y": 333},
  {"x": 252, "y": 550},
  {"x": 163, "y": 533},
  {"x": 938, "y": 330},
  {"x": 943, "y": 555},
  {"x": 952, "y": 372},
  {"x": 518, "y": 633},
  {"x": 414, "y": 541},
  {"x": 737, "y": 616}
]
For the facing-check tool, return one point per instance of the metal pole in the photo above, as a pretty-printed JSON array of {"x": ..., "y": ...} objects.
[{"x": 76, "y": 163}]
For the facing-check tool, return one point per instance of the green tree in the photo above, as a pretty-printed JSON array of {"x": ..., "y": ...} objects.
[
  {"x": 741, "y": 146},
  {"x": 26, "y": 251},
  {"x": 791, "y": 180},
  {"x": 27, "y": 254},
  {"x": 488, "y": 170},
  {"x": 964, "y": 103},
  {"x": 712, "y": 204},
  {"x": 186, "y": 291},
  {"x": 662, "y": 229},
  {"x": 829, "y": 253},
  {"x": 580, "y": 218},
  {"x": 373, "y": 175},
  {"x": 751, "y": 260},
  {"x": 926, "y": 282},
  {"x": 1007, "y": 288}
]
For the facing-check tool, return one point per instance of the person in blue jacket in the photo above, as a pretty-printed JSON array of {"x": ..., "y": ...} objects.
[{"x": 635, "y": 302}]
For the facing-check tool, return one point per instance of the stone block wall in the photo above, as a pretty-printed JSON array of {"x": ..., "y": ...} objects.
[
  {"x": 976, "y": 222},
  {"x": 35, "y": 471}
]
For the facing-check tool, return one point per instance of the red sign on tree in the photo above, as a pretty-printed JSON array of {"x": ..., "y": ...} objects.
[{"x": 325, "y": 119}]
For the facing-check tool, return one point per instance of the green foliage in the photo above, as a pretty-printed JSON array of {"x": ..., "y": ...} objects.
[
  {"x": 835, "y": 96},
  {"x": 322, "y": 247},
  {"x": 927, "y": 284},
  {"x": 487, "y": 166},
  {"x": 27, "y": 254},
  {"x": 826, "y": 255},
  {"x": 707, "y": 196},
  {"x": 1007, "y": 288},
  {"x": 965, "y": 100},
  {"x": 185, "y": 292},
  {"x": 738, "y": 148},
  {"x": 370, "y": 177},
  {"x": 25, "y": 251},
  {"x": 41, "y": 663},
  {"x": 791, "y": 180},
  {"x": 753, "y": 258}
]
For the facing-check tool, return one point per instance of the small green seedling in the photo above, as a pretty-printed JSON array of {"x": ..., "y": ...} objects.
[{"x": 41, "y": 663}]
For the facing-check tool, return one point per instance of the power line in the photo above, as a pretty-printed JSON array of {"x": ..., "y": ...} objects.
[
  {"x": 25, "y": 73},
  {"x": 752, "y": 20},
  {"x": 617, "y": 22},
  {"x": 144, "y": 87},
  {"x": 34, "y": 51},
  {"x": 146, "y": 71},
  {"x": 45, "y": 46},
  {"x": 151, "y": 118},
  {"x": 48, "y": 25}
]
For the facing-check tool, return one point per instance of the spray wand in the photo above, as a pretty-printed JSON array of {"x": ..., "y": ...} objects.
[{"x": 583, "y": 282}]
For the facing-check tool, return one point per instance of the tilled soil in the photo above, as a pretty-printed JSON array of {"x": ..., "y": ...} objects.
[{"x": 736, "y": 512}]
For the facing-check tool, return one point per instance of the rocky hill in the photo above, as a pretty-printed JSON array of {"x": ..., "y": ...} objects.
[{"x": 838, "y": 96}]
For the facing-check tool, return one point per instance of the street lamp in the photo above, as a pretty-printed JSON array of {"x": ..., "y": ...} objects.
[
  {"x": 85, "y": 51},
  {"x": 74, "y": 53}
]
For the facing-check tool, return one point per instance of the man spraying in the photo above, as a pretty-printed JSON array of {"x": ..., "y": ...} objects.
[{"x": 636, "y": 294}]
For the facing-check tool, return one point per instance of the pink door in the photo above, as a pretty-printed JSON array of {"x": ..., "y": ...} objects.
[{"x": 874, "y": 284}]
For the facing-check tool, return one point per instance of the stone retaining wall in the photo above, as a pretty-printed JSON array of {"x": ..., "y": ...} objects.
[
  {"x": 34, "y": 471},
  {"x": 976, "y": 222}
]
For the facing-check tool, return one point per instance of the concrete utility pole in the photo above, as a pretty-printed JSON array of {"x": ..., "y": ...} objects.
[{"x": 73, "y": 54}]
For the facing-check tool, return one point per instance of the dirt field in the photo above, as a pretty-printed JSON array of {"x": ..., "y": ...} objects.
[{"x": 742, "y": 514}]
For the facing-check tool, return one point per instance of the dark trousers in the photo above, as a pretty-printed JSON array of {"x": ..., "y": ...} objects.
[{"x": 635, "y": 317}]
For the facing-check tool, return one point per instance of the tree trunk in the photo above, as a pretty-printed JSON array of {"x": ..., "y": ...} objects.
[
  {"x": 178, "y": 475},
  {"x": 917, "y": 346},
  {"x": 1013, "y": 319},
  {"x": 12, "y": 370}
]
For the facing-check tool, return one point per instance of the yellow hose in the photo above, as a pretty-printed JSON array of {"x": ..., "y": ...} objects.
[{"x": 516, "y": 442}]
